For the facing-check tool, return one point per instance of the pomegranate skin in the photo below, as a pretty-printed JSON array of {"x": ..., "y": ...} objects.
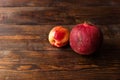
[{"x": 85, "y": 38}]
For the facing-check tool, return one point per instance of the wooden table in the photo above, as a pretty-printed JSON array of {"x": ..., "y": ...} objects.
[{"x": 25, "y": 53}]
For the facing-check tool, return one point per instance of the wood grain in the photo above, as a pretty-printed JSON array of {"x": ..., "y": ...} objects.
[
  {"x": 25, "y": 53},
  {"x": 44, "y": 15},
  {"x": 58, "y": 3},
  {"x": 56, "y": 65}
]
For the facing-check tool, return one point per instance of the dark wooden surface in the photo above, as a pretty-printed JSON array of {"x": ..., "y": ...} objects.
[{"x": 25, "y": 53}]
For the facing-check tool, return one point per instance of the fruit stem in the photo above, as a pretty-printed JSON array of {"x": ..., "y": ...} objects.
[{"x": 87, "y": 22}]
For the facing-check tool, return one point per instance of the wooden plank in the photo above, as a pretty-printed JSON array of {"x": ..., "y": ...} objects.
[
  {"x": 58, "y": 61},
  {"x": 58, "y": 3},
  {"x": 38, "y": 44},
  {"x": 27, "y": 30},
  {"x": 56, "y": 65},
  {"x": 58, "y": 75},
  {"x": 45, "y": 15},
  {"x": 17, "y": 31}
]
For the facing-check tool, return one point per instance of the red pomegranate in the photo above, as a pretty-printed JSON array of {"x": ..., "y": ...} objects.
[{"x": 85, "y": 38}]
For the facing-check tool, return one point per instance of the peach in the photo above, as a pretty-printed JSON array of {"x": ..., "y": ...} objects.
[{"x": 58, "y": 36}]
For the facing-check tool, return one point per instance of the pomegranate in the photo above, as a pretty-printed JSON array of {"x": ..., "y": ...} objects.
[{"x": 85, "y": 38}]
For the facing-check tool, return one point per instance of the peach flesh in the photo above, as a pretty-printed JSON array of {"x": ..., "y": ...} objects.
[{"x": 59, "y": 34}]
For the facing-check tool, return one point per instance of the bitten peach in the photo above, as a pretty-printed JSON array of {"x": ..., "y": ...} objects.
[{"x": 58, "y": 36}]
